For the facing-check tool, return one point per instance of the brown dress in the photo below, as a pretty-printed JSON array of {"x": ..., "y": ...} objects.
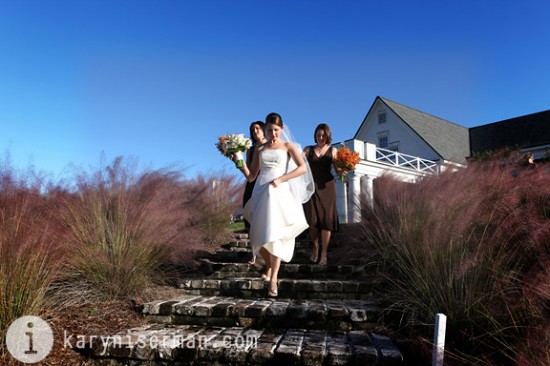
[
  {"x": 249, "y": 187},
  {"x": 321, "y": 210}
]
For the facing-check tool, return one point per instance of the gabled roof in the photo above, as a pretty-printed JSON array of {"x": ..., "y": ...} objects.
[
  {"x": 522, "y": 132},
  {"x": 447, "y": 139}
]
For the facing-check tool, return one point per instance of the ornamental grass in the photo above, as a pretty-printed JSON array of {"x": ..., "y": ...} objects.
[
  {"x": 473, "y": 244},
  {"x": 125, "y": 228},
  {"x": 112, "y": 233},
  {"x": 30, "y": 249}
]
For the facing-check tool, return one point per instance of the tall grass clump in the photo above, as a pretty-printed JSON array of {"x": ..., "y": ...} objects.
[
  {"x": 473, "y": 244},
  {"x": 123, "y": 226},
  {"x": 216, "y": 199},
  {"x": 30, "y": 249}
]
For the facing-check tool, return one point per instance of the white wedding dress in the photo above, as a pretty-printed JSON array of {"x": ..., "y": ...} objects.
[{"x": 276, "y": 217}]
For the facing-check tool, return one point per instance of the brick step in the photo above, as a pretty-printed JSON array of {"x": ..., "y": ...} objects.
[
  {"x": 242, "y": 255},
  {"x": 158, "y": 344},
  {"x": 265, "y": 313},
  {"x": 297, "y": 249},
  {"x": 288, "y": 270},
  {"x": 246, "y": 287},
  {"x": 300, "y": 243},
  {"x": 238, "y": 250}
]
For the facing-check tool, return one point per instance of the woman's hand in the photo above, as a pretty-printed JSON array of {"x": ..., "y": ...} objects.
[
  {"x": 275, "y": 182},
  {"x": 239, "y": 155}
]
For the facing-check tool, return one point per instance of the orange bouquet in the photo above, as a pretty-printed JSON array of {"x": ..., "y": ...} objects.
[{"x": 345, "y": 161}]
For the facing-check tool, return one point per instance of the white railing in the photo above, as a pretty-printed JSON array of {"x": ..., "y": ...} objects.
[
  {"x": 375, "y": 162},
  {"x": 405, "y": 161}
]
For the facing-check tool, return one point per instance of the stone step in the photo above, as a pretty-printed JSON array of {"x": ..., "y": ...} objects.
[
  {"x": 288, "y": 270},
  {"x": 246, "y": 287},
  {"x": 240, "y": 235},
  {"x": 244, "y": 254},
  {"x": 297, "y": 249},
  {"x": 300, "y": 243},
  {"x": 269, "y": 313},
  {"x": 158, "y": 344}
]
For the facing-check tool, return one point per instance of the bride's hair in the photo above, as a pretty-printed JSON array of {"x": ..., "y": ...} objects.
[{"x": 274, "y": 118}]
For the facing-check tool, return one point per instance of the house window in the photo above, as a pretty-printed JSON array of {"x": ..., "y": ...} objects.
[
  {"x": 381, "y": 117},
  {"x": 383, "y": 141}
]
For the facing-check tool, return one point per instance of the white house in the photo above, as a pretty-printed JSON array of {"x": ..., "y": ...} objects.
[
  {"x": 402, "y": 141},
  {"x": 407, "y": 143},
  {"x": 396, "y": 127}
]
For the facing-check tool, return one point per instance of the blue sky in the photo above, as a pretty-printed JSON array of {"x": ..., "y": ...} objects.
[{"x": 160, "y": 80}]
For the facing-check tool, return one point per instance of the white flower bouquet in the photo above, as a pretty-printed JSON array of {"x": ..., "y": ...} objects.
[{"x": 234, "y": 143}]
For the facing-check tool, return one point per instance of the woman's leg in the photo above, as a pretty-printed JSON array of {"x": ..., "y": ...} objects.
[
  {"x": 325, "y": 237},
  {"x": 275, "y": 265},
  {"x": 314, "y": 235},
  {"x": 268, "y": 266}
]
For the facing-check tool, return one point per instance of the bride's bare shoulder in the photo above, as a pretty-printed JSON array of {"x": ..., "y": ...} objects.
[{"x": 290, "y": 146}]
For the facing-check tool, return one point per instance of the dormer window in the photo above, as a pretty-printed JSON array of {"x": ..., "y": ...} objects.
[
  {"x": 381, "y": 117},
  {"x": 383, "y": 141}
]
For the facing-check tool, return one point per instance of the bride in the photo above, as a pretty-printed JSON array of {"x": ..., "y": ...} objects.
[{"x": 275, "y": 210}]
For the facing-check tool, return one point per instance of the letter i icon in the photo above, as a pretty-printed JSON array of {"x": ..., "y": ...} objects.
[
  {"x": 29, "y": 339},
  {"x": 30, "y": 351}
]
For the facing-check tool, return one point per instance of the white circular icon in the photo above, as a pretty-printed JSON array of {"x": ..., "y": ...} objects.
[{"x": 29, "y": 339}]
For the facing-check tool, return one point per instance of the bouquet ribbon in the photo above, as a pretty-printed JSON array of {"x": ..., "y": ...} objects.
[{"x": 239, "y": 162}]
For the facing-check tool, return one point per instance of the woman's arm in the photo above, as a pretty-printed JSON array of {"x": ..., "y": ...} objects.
[
  {"x": 252, "y": 173},
  {"x": 334, "y": 152},
  {"x": 249, "y": 155}
]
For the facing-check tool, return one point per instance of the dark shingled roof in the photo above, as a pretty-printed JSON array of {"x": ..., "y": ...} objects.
[
  {"x": 449, "y": 140},
  {"x": 519, "y": 132}
]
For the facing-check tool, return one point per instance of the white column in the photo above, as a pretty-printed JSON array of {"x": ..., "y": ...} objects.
[
  {"x": 342, "y": 201},
  {"x": 367, "y": 189},
  {"x": 354, "y": 199}
]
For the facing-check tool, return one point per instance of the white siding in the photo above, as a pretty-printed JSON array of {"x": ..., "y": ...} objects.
[{"x": 398, "y": 132}]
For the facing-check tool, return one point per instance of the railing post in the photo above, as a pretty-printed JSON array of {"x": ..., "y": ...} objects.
[
  {"x": 368, "y": 190},
  {"x": 370, "y": 152},
  {"x": 342, "y": 201},
  {"x": 354, "y": 204},
  {"x": 439, "y": 339}
]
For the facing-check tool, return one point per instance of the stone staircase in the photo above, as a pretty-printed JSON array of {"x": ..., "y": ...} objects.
[{"x": 324, "y": 315}]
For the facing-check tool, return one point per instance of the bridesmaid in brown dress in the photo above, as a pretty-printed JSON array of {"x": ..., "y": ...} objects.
[
  {"x": 257, "y": 137},
  {"x": 320, "y": 210}
]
